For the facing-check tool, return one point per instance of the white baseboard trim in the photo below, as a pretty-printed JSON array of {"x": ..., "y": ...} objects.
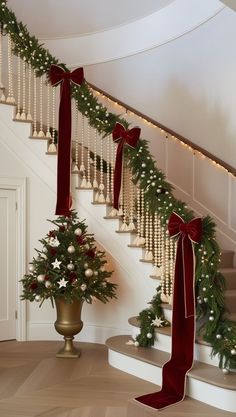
[{"x": 92, "y": 333}]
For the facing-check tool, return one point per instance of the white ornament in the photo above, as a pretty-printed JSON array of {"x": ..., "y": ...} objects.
[
  {"x": 85, "y": 266},
  {"x": 71, "y": 249},
  {"x": 136, "y": 343},
  {"x": 62, "y": 283},
  {"x": 211, "y": 318},
  {"x": 83, "y": 287},
  {"x": 54, "y": 242},
  {"x": 48, "y": 284},
  {"x": 218, "y": 336},
  {"x": 71, "y": 267},
  {"x": 157, "y": 322},
  {"x": 37, "y": 298},
  {"x": 31, "y": 268},
  {"x": 40, "y": 278},
  {"x": 88, "y": 273},
  {"x": 102, "y": 269},
  {"x": 44, "y": 250},
  {"x": 149, "y": 335},
  {"x": 95, "y": 273},
  {"x": 233, "y": 352},
  {"x": 78, "y": 232},
  {"x": 56, "y": 264}
]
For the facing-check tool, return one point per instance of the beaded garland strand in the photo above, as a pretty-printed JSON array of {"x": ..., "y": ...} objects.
[{"x": 216, "y": 330}]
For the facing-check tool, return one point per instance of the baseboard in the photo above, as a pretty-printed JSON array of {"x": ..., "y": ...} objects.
[{"x": 92, "y": 333}]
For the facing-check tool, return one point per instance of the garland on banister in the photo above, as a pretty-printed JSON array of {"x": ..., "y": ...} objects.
[{"x": 215, "y": 329}]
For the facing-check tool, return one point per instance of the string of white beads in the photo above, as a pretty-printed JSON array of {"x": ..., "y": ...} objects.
[
  {"x": 146, "y": 231},
  {"x": 95, "y": 182},
  {"x": 48, "y": 134},
  {"x": 82, "y": 166},
  {"x": 23, "y": 113},
  {"x": 131, "y": 200},
  {"x": 2, "y": 98},
  {"x": 35, "y": 132},
  {"x": 108, "y": 199},
  {"x": 41, "y": 132},
  {"x": 113, "y": 211},
  {"x": 88, "y": 185},
  {"x": 136, "y": 240},
  {"x": 18, "y": 88},
  {"x": 10, "y": 99},
  {"x": 29, "y": 117},
  {"x": 124, "y": 200},
  {"x": 75, "y": 166},
  {"x": 142, "y": 238}
]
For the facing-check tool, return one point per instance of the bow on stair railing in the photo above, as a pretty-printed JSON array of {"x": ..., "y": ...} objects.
[{"x": 145, "y": 199}]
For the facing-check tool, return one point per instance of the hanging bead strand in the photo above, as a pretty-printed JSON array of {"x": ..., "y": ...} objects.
[
  {"x": 108, "y": 199},
  {"x": 157, "y": 247},
  {"x": 136, "y": 240},
  {"x": 41, "y": 132},
  {"x": 146, "y": 232},
  {"x": 163, "y": 298},
  {"x": 10, "y": 99},
  {"x": 35, "y": 132},
  {"x": 23, "y": 113},
  {"x": 76, "y": 140},
  {"x": 150, "y": 242},
  {"x": 95, "y": 183},
  {"x": 124, "y": 200},
  {"x": 172, "y": 267},
  {"x": 101, "y": 197},
  {"x": 29, "y": 117},
  {"x": 141, "y": 241},
  {"x": 131, "y": 217},
  {"x": 52, "y": 147},
  {"x": 89, "y": 184},
  {"x": 113, "y": 212},
  {"x": 2, "y": 98},
  {"x": 48, "y": 133},
  {"x": 18, "y": 87},
  {"x": 82, "y": 166}
]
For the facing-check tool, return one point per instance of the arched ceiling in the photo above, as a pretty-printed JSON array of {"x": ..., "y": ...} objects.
[{"x": 63, "y": 19}]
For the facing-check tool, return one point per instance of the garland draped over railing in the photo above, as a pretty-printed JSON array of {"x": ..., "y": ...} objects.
[{"x": 216, "y": 330}]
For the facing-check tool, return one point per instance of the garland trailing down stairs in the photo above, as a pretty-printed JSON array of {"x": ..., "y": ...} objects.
[{"x": 154, "y": 193}]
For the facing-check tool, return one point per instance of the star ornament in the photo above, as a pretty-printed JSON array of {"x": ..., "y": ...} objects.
[
  {"x": 157, "y": 322},
  {"x": 62, "y": 283},
  {"x": 56, "y": 264}
]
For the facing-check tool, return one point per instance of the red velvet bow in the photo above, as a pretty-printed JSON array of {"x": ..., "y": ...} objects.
[
  {"x": 122, "y": 136},
  {"x": 189, "y": 233},
  {"x": 58, "y": 75}
]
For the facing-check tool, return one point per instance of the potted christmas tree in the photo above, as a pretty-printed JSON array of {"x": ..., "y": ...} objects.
[{"x": 69, "y": 270}]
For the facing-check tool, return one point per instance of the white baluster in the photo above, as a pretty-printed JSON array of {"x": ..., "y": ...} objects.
[
  {"x": 10, "y": 99},
  {"x": 52, "y": 147}
]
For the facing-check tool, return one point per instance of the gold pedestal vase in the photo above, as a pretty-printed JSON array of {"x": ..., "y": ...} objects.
[{"x": 68, "y": 324}]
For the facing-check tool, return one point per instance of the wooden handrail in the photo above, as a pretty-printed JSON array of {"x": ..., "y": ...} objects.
[{"x": 171, "y": 132}]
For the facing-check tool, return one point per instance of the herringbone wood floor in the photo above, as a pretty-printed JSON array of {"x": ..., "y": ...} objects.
[{"x": 33, "y": 382}]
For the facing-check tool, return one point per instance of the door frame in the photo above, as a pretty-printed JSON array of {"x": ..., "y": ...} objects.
[{"x": 19, "y": 185}]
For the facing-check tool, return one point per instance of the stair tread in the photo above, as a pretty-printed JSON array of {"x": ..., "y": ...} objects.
[
  {"x": 230, "y": 293},
  {"x": 227, "y": 270},
  {"x": 134, "y": 321},
  {"x": 201, "y": 371}
]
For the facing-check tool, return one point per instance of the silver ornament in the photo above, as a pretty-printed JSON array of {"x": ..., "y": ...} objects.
[
  {"x": 37, "y": 298},
  {"x": 71, "y": 249},
  {"x": 71, "y": 267},
  {"x": 149, "y": 335},
  {"x": 40, "y": 278},
  {"x": 78, "y": 232},
  {"x": 233, "y": 352},
  {"x": 88, "y": 273},
  {"x": 31, "y": 268}
]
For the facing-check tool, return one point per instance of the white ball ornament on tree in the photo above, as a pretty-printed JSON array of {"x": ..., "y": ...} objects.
[
  {"x": 233, "y": 352},
  {"x": 149, "y": 335},
  {"x": 71, "y": 249},
  {"x": 48, "y": 284},
  {"x": 78, "y": 232},
  {"x": 88, "y": 273},
  {"x": 70, "y": 266},
  {"x": 136, "y": 343},
  {"x": 85, "y": 266},
  {"x": 41, "y": 278},
  {"x": 31, "y": 268},
  {"x": 37, "y": 298}
]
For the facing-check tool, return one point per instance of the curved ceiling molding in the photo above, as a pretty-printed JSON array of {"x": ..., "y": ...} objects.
[{"x": 165, "y": 25}]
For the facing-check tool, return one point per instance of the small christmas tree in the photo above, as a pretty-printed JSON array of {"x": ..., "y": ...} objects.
[{"x": 68, "y": 265}]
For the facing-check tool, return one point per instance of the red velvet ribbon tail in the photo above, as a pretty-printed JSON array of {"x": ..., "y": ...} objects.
[
  {"x": 189, "y": 276},
  {"x": 118, "y": 174},
  {"x": 64, "y": 151}
]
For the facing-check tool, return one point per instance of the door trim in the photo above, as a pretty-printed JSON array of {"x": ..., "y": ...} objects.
[{"x": 19, "y": 185}]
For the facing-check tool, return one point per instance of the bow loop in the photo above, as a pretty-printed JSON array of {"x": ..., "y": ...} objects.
[
  {"x": 193, "y": 229},
  {"x": 58, "y": 74}
]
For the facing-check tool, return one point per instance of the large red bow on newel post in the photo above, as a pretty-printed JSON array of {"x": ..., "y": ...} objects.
[
  {"x": 57, "y": 75},
  {"x": 183, "y": 317},
  {"x": 122, "y": 136}
]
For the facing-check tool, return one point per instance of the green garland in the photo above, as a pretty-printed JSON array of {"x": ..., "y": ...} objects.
[{"x": 215, "y": 329}]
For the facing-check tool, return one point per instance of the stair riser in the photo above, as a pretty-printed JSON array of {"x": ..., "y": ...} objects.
[
  {"x": 227, "y": 259},
  {"x": 230, "y": 304},
  {"x": 230, "y": 280},
  {"x": 209, "y": 394},
  {"x": 202, "y": 353}
]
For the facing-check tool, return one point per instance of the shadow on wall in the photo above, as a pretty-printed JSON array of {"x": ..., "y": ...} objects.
[{"x": 203, "y": 121}]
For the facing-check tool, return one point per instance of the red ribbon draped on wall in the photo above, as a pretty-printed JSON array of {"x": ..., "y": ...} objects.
[
  {"x": 57, "y": 75},
  {"x": 122, "y": 136},
  {"x": 183, "y": 318}
]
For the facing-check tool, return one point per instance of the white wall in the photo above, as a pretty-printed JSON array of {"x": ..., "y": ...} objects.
[{"x": 186, "y": 84}]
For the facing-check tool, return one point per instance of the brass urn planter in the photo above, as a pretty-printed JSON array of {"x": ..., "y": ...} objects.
[{"x": 68, "y": 324}]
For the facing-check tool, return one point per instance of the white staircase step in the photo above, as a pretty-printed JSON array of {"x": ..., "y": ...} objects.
[
  {"x": 205, "y": 383},
  {"x": 163, "y": 342}
]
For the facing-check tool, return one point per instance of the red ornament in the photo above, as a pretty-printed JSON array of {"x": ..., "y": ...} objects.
[
  {"x": 33, "y": 285},
  {"x": 72, "y": 276},
  {"x": 80, "y": 240},
  {"x": 90, "y": 253},
  {"x": 53, "y": 251},
  {"x": 62, "y": 229}
]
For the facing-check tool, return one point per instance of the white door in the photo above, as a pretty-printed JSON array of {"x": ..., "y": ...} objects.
[{"x": 7, "y": 264}]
